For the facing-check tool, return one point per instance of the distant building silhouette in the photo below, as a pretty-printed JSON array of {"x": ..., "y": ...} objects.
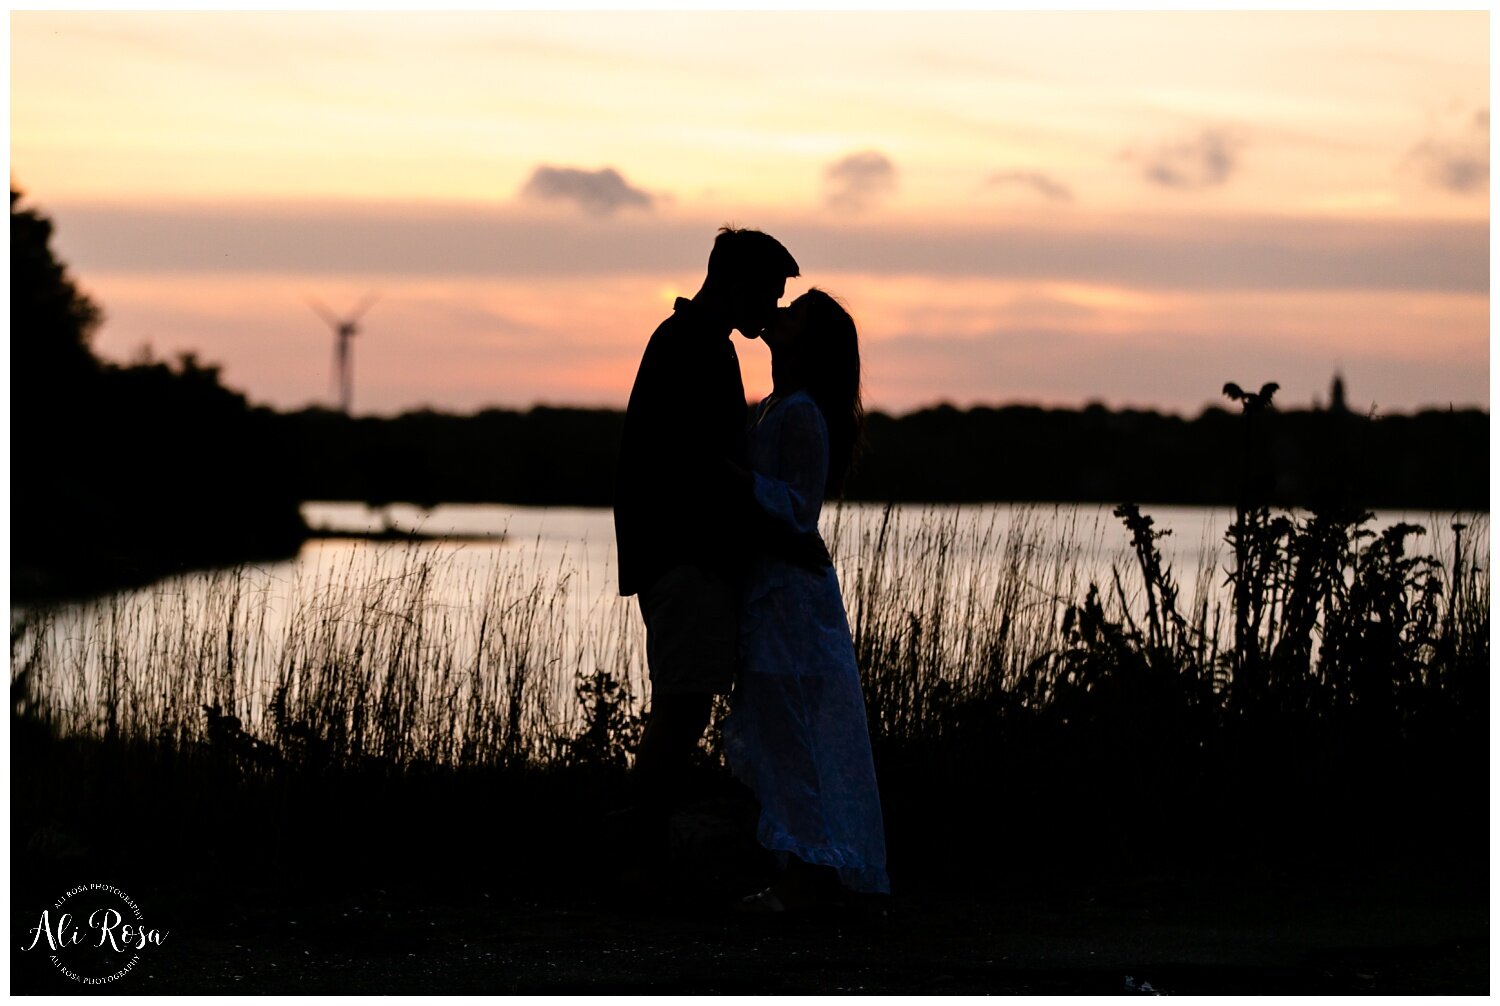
[{"x": 1336, "y": 395}]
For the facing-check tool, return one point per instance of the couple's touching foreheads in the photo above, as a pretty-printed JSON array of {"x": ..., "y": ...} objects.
[{"x": 716, "y": 522}]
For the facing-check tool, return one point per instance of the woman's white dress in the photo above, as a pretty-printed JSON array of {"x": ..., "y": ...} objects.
[{"x": 796, "y": 733}]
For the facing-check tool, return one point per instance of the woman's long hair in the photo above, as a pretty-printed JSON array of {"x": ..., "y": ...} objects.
[{"x": 830, "y": 352}]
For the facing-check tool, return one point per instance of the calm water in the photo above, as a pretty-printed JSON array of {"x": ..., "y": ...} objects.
[
  {"x": 545, "y": 588},
  {"x": 582, "y": 539}
]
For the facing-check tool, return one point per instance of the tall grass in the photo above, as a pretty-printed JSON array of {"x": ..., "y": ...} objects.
[
  {"x": 399, "y": 656},
  {"x": 415, "y": 660},
  {"x": 942, "y": 606},
  {"x": 1031, "y": 698}
]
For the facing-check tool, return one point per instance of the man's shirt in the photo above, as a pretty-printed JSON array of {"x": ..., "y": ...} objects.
[{"x": 674, "y": 500}]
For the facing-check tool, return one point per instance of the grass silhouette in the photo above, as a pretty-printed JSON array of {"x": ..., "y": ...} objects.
[{"x": 1086, "y": 701}]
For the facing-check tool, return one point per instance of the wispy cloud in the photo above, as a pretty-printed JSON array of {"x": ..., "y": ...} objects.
[
  {"x": 1457, "y": 159},
  {"x": 1210, "y": 253},
  {"x": 1042, "y": 184},
  {"x": 858, "y": 181},
  {"x": 1201, "y": 162},
  {"x": 599, "y": 192}
]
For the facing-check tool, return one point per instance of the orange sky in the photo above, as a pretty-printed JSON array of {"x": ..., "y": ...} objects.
[{"x": 1057, "y": 208}]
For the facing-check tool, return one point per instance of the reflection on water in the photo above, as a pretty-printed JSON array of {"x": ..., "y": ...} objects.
[
  {"x": 457, "y": 650},
  {"x": 1088, "y": 536}
]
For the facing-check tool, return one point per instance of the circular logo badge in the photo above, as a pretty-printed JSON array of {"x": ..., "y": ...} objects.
[{"x": 94, "y": 934}]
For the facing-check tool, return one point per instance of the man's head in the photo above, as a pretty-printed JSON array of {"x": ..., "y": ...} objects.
[{"x": 747, "y": 274}]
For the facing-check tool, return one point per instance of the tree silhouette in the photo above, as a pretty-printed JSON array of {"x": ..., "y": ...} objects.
[
  {"x": 54, "y": 377},
  {"x": 121, "y": 474},
  {"x": 51, "y": 320}
]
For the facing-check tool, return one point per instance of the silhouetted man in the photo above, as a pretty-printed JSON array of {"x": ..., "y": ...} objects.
[{"x": 680, "y": 514}]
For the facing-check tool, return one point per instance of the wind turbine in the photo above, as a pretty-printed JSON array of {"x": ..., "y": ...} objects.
[{"x": 344, "y": 329}]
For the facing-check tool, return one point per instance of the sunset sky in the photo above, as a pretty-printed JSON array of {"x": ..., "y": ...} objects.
[{"x": 1046, "y": 208}]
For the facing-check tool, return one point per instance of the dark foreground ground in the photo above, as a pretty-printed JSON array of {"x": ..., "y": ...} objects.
[
  {"x": 500, "y": 882},
  {"x": 1153, "y": 934},
  {"x": 1335, "y": 930}
]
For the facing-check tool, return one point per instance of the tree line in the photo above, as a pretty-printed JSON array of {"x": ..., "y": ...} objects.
[{"x": 560, "y": 456}]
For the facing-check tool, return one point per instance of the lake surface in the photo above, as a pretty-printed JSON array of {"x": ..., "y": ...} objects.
[
  {"x": 541, "y": 595},
  {"x": 582, "y": 539}
]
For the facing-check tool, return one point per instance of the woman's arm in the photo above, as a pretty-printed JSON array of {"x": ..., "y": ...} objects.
[{"x": 791, "y": 494}]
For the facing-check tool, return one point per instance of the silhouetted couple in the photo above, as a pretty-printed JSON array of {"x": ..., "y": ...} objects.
[{"x": 717, "y": 529}]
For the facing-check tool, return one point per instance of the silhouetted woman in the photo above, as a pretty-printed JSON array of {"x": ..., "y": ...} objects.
[{"x": 796, "y": 734}]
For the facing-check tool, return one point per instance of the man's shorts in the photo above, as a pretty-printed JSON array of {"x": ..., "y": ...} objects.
[{"x": 692, "y": 631}]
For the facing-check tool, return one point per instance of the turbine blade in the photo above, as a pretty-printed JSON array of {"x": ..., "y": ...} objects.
[
  {"x": 322, "y": 311},
  {"x": 364, "y": 305}
]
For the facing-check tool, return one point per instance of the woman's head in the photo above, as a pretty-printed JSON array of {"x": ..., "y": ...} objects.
[{"x": 815, "y": 345}]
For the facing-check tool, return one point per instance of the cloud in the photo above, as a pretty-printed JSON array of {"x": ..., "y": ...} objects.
[
  {"x": 1457, "y": 160},
  {"x": 600, "y": 192},
  {"x": 1043, "y": 185},
  {"x": 858, "y": 181},
  {"x": 1199, "y": 163},
  {"x": 1454, "y": 169},
  {"x": 1209, "y": 253},
  {"x": 1204, "y": 253}
]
